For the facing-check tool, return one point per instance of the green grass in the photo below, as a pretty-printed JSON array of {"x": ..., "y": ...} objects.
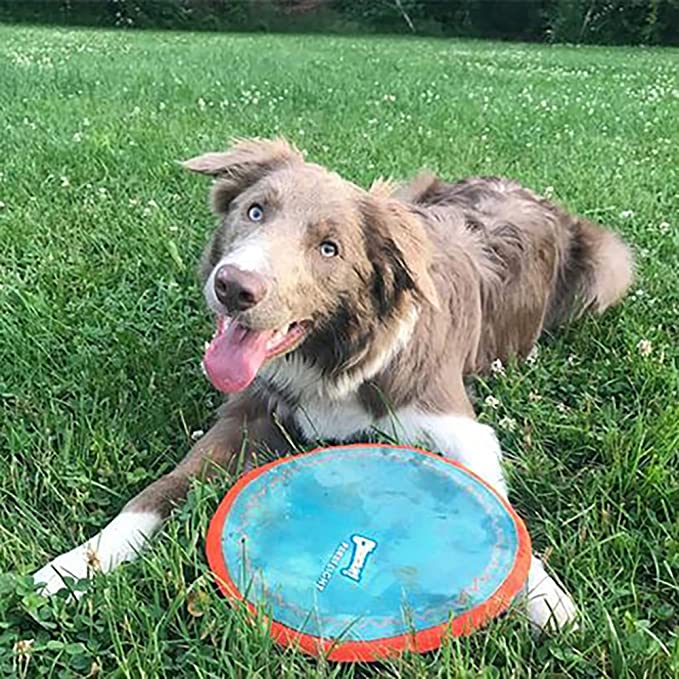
[{"x": 102, "y": 326}]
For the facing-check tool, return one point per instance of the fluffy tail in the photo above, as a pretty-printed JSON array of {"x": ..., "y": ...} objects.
[{"x": 597, "y": 272}]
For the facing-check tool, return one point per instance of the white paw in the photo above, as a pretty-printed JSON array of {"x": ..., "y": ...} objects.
[
  {"x": 549, "y": 606},
  {"x": 121, "y": 540},
  {"x": 77, "y": 564}
]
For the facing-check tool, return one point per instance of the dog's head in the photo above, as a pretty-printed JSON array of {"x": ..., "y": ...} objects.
[{"x": 302, "y": 260}]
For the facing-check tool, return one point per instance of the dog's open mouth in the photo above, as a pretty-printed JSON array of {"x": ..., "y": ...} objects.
[{"x": 236, "y": 352}]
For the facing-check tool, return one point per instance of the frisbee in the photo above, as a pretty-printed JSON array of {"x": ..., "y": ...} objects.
[{"x": 363, "y": 552}]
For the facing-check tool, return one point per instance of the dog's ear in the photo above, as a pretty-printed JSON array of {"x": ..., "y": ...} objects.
[
  {"x": 399, "y": 251},
  {"x": 247, "y": 161}
]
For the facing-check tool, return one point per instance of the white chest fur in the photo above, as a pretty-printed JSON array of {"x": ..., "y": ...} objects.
[
  {"x": 332, "y": 419},
  {"x": 320, "y": 412}
]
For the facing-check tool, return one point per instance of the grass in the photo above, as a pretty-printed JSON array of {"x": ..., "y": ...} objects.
[{"x": 102, "y": 326}]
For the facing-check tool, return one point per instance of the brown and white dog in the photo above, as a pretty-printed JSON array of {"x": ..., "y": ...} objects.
[{"x": 343, "y": 312}]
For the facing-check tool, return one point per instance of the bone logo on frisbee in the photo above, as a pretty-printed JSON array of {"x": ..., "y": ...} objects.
[
  {"x": 362, "y": 548},
  {"x": 365, "y": 551}
]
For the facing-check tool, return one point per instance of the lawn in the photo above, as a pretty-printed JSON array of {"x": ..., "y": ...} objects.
[{"x": 102, "y": 326}]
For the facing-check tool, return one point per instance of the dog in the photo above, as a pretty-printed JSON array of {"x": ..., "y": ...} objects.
[{"x": 344, "y": 312}]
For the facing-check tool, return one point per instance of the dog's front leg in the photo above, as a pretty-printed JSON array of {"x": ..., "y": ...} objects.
[
  {"x": 123, "y": 538},
  {"x": 476, "y": 447}
]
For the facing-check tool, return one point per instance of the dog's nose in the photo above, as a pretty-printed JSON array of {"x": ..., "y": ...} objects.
[{"x": 239, "y": 290}]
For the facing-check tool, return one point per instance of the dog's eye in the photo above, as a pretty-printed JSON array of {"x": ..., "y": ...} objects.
[
  {"x": 255, "y": 213},
  {"x": 329, "y": 249}
]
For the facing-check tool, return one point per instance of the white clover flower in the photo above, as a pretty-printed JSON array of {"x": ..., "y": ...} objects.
[
  {"x": 627, "y": 214},
  {"x": 507, "y": 423},
  {"x": 496, "y": 367},
  {"x": 201, "y": 103},
  {"x": 2, "y": 205},
  {"x": 644, "y": 347},
  {"x": 64, "y": 182},
  {"x": 664, "y": 227},
  {"x": 534, "y": 397},
  {"x": 562, "y": 408},
  {"x": 492, "y": 402},
  {"x": 78, "y": 137}
]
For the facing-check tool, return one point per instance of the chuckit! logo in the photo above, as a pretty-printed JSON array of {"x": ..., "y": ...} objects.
[
  {"x": 363, "y": 547},
  {"x": 331, "y": 566}
]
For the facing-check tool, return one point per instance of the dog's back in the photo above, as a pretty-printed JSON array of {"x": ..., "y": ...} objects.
[{"x": 538, "y": 266}]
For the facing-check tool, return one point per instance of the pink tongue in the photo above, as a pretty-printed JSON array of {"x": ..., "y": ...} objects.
[{"x": 234, "y": 356}]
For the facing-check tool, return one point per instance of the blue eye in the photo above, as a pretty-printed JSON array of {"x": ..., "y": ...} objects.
[
  {"x": 329, "y": 249},
  {"x": 255, "y": 213}
]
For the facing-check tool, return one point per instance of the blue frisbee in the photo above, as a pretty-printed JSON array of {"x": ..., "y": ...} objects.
[{"x": 362, "y": 552}]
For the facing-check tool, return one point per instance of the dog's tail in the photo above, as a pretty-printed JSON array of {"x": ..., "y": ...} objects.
[{"x": 595, "y": 274}]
